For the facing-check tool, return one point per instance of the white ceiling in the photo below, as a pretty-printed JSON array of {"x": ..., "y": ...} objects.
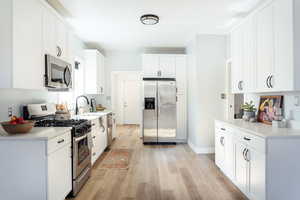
[{"x": 115, "y": 25}]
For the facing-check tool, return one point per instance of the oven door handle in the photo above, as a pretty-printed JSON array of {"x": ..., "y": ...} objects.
[{"x": 80, "y": 138}]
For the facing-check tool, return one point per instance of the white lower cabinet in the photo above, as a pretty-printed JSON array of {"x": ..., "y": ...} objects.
[
  {"x": 99, "y": 137},
  {"x": 60, "y": 173},
  {"x": 242, "y": 159}
]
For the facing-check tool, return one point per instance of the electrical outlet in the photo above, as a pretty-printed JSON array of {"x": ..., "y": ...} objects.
[{"x": 10, "y": 112}]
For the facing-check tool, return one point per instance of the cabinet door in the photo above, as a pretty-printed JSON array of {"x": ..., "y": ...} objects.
[
  {"x": 220, "y": 149},
  {"x": 265, "y": 48},
  {"x": 283, "y": 79},
  {"x": 59, "y": 173},
  {"x": 181, "y": 80},
  {"x": 241, "y": 166},
  {"x": 181, "y": 131},
  {"x": 237, "y": 60},
  {"x": 49, "y": 34},
  {"x": 91, "y": 72},
  {"x": 96, "y": 150},
  {"x": 101, "y": 74},
  {"x": 28, "y": 62},
  {"x": 150, "y": 65},
  {"x": 167, "y": 66},
  {"x": 229, "y": 155},
  {"x": 249, "y": 56},
  {"x": 257, "y": 174},
  {"x": 61, "y": 39}
]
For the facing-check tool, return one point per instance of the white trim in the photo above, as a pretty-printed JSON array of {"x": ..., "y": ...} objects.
[{"x": 201, "y": 150}]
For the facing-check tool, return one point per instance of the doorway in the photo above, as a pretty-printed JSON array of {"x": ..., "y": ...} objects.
[{"x": 126, "y": 97}]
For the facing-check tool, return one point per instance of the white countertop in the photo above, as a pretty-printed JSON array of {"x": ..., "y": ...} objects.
[
  {"x": 92, "y": 115},
  {"x": 262, "y": 130},
  {"x": 37, "y": 133}
]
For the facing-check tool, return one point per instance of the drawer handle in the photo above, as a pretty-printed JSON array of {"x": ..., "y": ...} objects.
[
  {"x": 94, "y": 137},
  {"x": 60, "y": 141},
  {"x": 93, "y": 124},
  {"x": 248, "y": 139},
  {"x": 223, "y": 129}
]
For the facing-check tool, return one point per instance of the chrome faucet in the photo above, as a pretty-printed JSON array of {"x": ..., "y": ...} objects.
[{"x": 81, "y": 96}]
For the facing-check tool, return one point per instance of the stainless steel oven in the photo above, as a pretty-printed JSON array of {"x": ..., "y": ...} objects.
[
  {"x": 58, "y": 73},
  {"x": 81, "y": 157}
]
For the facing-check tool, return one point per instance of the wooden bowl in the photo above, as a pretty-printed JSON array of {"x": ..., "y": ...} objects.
[{"x": 18, "y": 128}]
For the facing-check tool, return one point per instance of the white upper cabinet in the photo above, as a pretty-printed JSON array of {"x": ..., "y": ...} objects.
[
  {"x": 268, "y": 52},
  {"x": 265, "y": 48},
  {"x": 237, "y": 60},
  {"x": 167, "y": 66},
  {"x": 55, "y": 35},
  {"x": 30, "y": 29},
  {"x": 159, "y": 65},
  {"x": 150, "y": 65},
  {"x": 94, "y": 72},
  {"x": 27, "y": 57}
]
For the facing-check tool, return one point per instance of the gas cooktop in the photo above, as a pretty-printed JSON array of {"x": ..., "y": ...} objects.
[{"x": 59, "y": 123}]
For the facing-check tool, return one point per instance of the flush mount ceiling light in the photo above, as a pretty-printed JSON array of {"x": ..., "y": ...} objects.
[{"x": 149, "y": 19}]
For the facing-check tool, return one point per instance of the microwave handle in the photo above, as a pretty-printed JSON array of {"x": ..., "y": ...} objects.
[{"x": 67, "y": 70}]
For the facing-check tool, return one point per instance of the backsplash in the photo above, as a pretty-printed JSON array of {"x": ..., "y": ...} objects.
[
  {"x": 16, "y": 97},
  {"x": 291, "y": 103}
]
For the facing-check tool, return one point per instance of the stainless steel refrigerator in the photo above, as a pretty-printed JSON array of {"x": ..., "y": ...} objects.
[{"x": 159, "y": 113}]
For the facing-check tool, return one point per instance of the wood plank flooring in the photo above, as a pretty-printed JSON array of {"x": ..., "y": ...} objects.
[{"x": 158, "y": 173}]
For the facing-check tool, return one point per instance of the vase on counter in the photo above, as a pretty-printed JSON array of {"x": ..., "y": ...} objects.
[{"x": 248, "y": 115}]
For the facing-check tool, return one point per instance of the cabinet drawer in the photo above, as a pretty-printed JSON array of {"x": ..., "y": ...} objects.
[
  {"x": 222, "y": 128},
  {"x": 252, "y": 141},
  {"x": 59, "y": 142},
  {"x": 95, "y": 123}
]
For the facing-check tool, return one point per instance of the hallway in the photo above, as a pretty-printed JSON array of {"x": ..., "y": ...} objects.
[{"x": 158, "y": 173}]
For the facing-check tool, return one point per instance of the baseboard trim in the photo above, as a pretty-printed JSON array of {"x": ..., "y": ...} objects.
[{"x": 200, "y": 150}]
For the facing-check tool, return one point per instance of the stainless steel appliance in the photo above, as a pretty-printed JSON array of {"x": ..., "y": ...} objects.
[
  {"x": 110, "y": 128},
  {"x": 58, "y": 73},
  {"x": 81, "y": 140},
  {"x": 159, "y": 113}
]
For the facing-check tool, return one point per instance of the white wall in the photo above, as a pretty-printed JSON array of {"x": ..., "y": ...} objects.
[
  {"x": 206, "y": 82},
  {"x": 16, "y": 97}
]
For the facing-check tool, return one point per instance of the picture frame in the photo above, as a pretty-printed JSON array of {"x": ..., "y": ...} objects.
[{"x": 270, "y": 108}]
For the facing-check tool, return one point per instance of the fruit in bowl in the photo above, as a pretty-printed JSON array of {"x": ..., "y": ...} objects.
[{"x": 17, "y": 125}]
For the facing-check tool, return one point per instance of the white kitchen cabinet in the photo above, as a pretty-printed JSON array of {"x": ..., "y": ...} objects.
[
  {"x": 237, "y": 70},
  {"x": 94, "y": 72},
  {"x": 181, "y": 131},
  {"x": 55, "y": 35},
  {"x": 257, "y": 167},
  {"x": 60, "y": 173},
  {"x": 41, "y": 167},
  {"x": 274, "y": 65},
  {"x": 241, "y": 170},
  {"x": 220, "y": 149},
  {"x": 265, "y": 48},
  {"x": 181, "y": 74},
  {"x": 150, "y": 65},
  {"x": 21, "y": 44},
  {"x": 159, "y": 65},
  {"x": 103, "y": 133},
  {"x": 167, "y": 66}
]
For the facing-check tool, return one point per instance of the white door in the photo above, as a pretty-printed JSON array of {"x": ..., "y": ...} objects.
[
  {"x": 257, "y": 174},
  {"x": 131, "y": 102},
  {"x": 167, "y": 67},
  {"x": 241, "y": 166}
]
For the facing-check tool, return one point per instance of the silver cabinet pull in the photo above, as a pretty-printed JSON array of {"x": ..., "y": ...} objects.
[
  {"x": 247, "y": 155},
  {"x": 244, "y": 156},
  {"x": 270, "y": 81},
  {"x": 248, "y": 139},
  {"x": 223, "y": 129},
  {"x": 60, "y": 141}
]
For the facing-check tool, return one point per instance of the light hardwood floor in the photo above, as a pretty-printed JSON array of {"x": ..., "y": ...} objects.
[{"x": 158, "y": 173}]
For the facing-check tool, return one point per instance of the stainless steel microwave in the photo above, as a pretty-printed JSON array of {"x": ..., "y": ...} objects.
[{"x": 58, "y": 73}]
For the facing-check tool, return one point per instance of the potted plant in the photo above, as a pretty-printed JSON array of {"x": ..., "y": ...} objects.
[{"x": 249, "y": 110}]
